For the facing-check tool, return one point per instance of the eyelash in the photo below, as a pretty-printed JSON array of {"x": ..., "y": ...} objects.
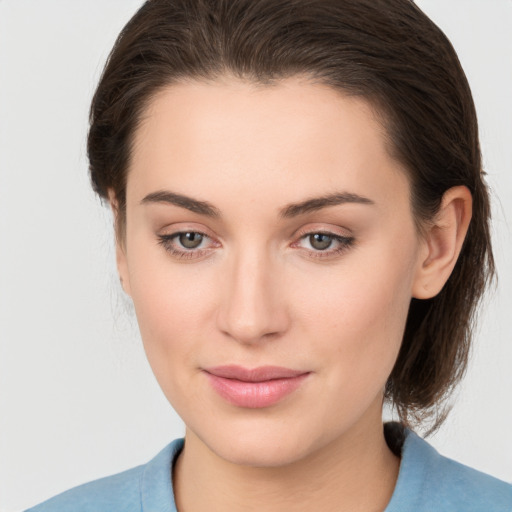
[{"x": 344, "y": 242}]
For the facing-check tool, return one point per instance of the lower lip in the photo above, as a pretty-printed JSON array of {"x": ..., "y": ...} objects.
[{"x": 255, "y": 395}]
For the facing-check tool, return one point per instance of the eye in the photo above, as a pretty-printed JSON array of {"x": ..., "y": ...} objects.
[
  {"x": 320, "y": 241},
  {"x": 321, "y": 244},
  {"x": 190, "y": 239},
  {"x": 186, "y": 244}
]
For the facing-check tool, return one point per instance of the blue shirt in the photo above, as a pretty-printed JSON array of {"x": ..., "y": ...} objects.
[{"x": 427, "y": 482}]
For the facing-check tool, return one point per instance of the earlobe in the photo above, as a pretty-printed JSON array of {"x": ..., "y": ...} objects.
[
  {"x": 121, "y": 262},
  {"x": 443, "y": 242}
]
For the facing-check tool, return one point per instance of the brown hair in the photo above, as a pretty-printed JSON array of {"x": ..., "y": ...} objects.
[{"x": 386, "y": 51}]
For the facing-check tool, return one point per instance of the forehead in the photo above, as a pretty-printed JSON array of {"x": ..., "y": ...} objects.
[
  {"x": 290, "y": 136},
  {"x": 285, "y": 109}
]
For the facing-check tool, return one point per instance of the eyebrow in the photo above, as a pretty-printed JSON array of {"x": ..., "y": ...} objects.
[
  {"x": 194, "y": 205},
  {"x": 289, "y": 211},
  {"x": 317, "y": 203}
]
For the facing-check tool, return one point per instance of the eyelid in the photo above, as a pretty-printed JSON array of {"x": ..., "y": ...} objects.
[
  {"x": 327, "y": 229},
  {"x": 186, "y": 227}
]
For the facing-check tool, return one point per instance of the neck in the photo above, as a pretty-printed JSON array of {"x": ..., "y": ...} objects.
[{"x": 357, "y": 472}]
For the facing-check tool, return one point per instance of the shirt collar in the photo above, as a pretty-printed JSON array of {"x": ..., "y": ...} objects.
[{"x": 156, "y": 480}]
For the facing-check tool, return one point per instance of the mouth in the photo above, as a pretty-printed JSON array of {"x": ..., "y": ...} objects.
[{"x": 254, "y": 388}]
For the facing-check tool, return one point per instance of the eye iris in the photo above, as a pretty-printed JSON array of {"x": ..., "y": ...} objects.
[
  {"x": 320, "y": 241},
  {"x": 190, "y": 240}
]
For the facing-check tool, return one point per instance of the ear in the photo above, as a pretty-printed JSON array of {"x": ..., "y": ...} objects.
[
  {"x": 121, "y": 261},
  {"x": 443, "y": 242}
]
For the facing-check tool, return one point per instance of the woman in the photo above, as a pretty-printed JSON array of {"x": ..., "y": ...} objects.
[{"x": 302, "y": 225}]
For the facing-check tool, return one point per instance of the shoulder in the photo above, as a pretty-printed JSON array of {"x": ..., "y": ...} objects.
[
  {"x": 117, "y": 492},
  {"x": 149, "y": 483},
  {"x": 430, "y": 481}
]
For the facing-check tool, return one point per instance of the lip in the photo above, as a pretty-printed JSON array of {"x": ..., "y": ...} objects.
[{"x": 254, "y": 388}]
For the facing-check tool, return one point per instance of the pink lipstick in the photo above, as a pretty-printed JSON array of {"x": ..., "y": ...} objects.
[{"x": 254, "y": 388}]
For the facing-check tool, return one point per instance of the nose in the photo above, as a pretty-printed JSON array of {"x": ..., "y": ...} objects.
[{"x": 253, "y": 308}]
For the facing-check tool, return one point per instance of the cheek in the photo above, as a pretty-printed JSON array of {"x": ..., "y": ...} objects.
[
  {"x": 173, "y": 304},
  {"x": 360, "y": 311}
]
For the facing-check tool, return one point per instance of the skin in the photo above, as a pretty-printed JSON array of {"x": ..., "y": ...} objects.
[{"x": 258, "y": 292}]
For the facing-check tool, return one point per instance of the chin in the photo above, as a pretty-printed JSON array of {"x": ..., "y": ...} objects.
[
  {"x": 264, "y": 452},
  {"x": 266, "y": 443}
]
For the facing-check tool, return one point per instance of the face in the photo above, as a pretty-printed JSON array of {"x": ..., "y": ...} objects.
[{"x": 271, "y": 254}]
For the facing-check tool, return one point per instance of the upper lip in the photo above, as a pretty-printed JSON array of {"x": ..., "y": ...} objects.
[{"x": 259, "y": 374}]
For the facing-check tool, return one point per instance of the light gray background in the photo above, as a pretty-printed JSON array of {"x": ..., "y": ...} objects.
[{"x": 77, "y": 398}]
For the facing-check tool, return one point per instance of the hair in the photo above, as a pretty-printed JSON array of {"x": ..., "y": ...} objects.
[{"x": 387, "y": 52}]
